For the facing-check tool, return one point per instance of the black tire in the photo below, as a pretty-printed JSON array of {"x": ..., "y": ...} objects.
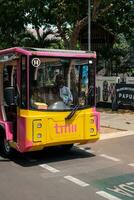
[
  {"x": 6, "y": 148},
  {"x": 4, "y": 144}
]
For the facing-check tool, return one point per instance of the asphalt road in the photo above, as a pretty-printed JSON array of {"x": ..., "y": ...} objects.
[{"x": 104, "y": 170}]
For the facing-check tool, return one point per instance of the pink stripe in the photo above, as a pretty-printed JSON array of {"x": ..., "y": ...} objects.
[
  {"x": 47, "y": 53},
  {"x": 8, "y": 129},
  {"x": 28, "y": 82},
  {"x": 97, "y": 118},
  {"x": 22, "y": 51},
  {"x": 58, "y": 54},
  {"x": 98, "y": 121},
  {"x": 23, "y": 144},
  {"x": 15, "y": 49}
]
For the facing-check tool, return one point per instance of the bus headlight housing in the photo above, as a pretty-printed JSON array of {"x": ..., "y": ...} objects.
[{"x": 37, "y": 130}]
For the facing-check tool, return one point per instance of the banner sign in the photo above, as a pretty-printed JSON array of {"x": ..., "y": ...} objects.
[
  {"x": 105, "y": 88},
  {"x": 125, "y": 93}
]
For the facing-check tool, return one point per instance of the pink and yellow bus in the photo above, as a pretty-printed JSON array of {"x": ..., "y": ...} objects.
[{"x": 47, "y": 98}]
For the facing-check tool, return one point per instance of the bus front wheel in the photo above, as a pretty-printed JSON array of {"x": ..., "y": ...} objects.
[{"x": 6, "y": 148}]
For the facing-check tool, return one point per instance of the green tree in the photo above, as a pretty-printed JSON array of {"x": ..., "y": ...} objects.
[
  {"x": 12, "y": 20},
  {"x": 117, "y": 18},
  {"x": 43, "y": 38},
  {"x": 67, "y": 17}
]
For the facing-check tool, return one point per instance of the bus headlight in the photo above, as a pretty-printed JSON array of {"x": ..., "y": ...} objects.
[
  {"x": 92, "y": 121},
  {"x": 39, "y": 135},
  {"x": 39, "y": 125},
  {"x": 91, "y": 130}
]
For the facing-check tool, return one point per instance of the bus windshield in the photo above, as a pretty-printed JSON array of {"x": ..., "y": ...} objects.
[{"x": 61, "y": 83}]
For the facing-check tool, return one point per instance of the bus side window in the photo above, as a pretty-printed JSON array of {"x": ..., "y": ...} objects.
[
  {"x": 6, "y": 81},
  {"x": 23, "y": 82}
]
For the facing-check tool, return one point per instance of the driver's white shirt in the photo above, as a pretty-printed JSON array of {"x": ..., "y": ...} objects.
[{"x": 65, "y": 94}]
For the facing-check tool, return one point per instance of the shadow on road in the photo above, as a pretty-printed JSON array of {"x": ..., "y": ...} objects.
[{"x": 46, "y": 156}]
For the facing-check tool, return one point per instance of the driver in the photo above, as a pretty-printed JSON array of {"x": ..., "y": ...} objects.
[{"x": 64, "y": 92}]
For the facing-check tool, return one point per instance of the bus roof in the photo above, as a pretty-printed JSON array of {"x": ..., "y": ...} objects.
[{"x": 49, "y": 52}]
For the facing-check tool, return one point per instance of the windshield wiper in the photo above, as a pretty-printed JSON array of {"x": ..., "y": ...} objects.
[{"x": 71, "y": 114}]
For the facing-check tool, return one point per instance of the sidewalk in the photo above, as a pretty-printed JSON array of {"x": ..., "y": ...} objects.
[{"x": 122, "y": 120}]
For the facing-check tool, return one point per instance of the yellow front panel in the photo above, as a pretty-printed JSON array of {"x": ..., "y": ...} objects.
[
  {"x": 65, "y": 130},
  {"x": 51, "y": 128}
]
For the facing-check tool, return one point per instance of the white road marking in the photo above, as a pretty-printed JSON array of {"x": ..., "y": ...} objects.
[
  {"x": 88, "y": 151},
  {"x": 106, "y": 136},
  {"x": 107, "y": 195},
  {"x": 110, "y": 157},
  {"x": 77, "y": 181},
  {"x": 131, "y": 164},
  {"x": 81, "y": 148},
  {"x": 49, "y": 168}
]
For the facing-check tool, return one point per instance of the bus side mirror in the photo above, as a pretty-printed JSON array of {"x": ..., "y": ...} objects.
[{"x": 9, "y": 95}]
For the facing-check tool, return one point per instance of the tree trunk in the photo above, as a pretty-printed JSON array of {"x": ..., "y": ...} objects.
[
  {"x": 96, "y": 5},
  {"x": 75, "y": 34}
]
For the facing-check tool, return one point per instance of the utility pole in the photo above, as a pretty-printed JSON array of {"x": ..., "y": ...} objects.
[{"x": 89, "y": 25}]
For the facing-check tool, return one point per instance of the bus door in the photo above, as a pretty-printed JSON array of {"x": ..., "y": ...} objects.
[{"x": 10, "y": 96}]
